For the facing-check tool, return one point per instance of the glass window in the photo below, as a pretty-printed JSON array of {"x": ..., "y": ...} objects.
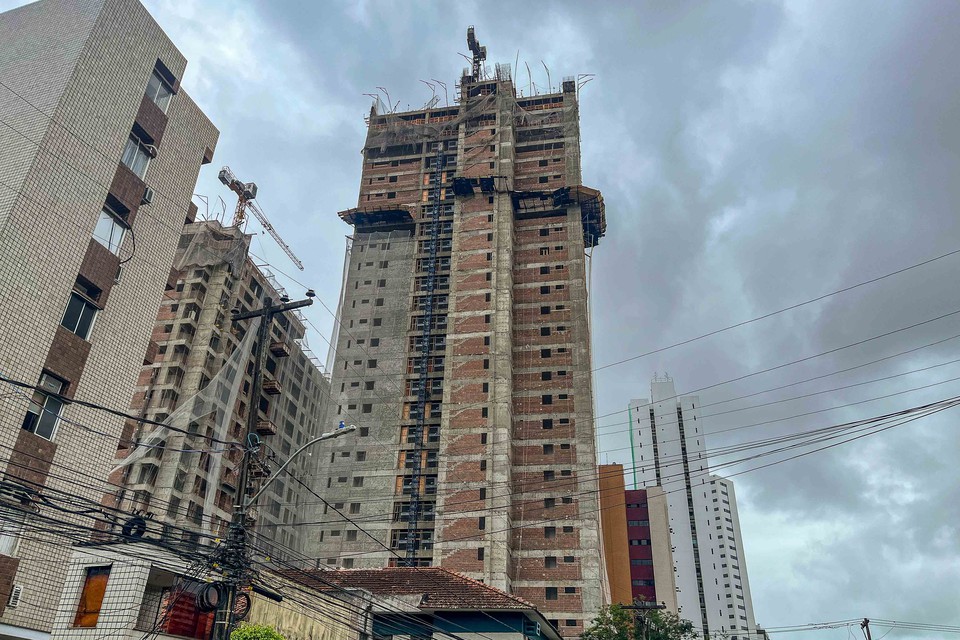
[
  {"x": 110, "y": 230},
  {"x": 91, "y": 597},
  {"x": 79, "y": 315},
  {"x": 11, "y": 525},
  {"x": 43, "y": 414},
  {"x": 159, "y": 91},
  {"x": 136, "y": 156}
]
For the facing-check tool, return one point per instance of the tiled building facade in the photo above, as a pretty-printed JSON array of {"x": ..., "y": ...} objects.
[
  {"x": 463, "y": 351},
  {"x": 99, "y": 154}
]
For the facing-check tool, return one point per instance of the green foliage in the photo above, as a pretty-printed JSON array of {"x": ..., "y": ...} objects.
[
  {"x": 617, "y": 623},
  {"x": 255, "y": 632}
]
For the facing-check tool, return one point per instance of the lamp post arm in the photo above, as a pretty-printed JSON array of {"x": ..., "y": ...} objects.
[{"x": 326, "y": 436}]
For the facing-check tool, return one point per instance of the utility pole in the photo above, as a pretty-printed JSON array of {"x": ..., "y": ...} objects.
[
  {"x": 234, "y": 558},
  {"x": 640, "y": 621},
  {"x": 865, "y": 627}
]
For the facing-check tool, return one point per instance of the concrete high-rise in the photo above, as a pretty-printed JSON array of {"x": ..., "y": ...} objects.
[
  {"x": 99, "y": 155},
  {"x": 463, "y": 349},
  {"x": 669, "y": 450},
  {"x": 200, "y": 382}
]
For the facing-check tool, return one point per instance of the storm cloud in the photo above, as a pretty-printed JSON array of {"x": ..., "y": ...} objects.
[{"x": 752, "y": 155}]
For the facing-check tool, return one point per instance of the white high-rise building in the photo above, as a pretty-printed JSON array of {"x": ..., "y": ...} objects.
[{"x": 669, "y": 451}]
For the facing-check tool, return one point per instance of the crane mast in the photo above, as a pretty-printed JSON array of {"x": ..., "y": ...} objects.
[{"x": 246, "y": 194}]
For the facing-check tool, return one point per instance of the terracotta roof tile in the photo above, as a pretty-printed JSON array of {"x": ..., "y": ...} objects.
[{"x": 440, "y": 588}]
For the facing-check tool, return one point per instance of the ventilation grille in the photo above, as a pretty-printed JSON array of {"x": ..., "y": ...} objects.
[{"x": 15, "y": 593}]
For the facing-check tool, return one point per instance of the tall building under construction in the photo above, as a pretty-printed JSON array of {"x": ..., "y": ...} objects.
[{"x": 463, "y": 350}]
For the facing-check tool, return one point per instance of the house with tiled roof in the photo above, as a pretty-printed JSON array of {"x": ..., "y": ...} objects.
[{"x": 425, "y": 602}]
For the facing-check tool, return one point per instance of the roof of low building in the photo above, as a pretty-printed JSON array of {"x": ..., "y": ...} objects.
[{"x": 439, "y": 588}]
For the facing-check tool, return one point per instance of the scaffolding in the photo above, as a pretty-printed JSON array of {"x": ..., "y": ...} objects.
[{"x": 423, "y": 388}]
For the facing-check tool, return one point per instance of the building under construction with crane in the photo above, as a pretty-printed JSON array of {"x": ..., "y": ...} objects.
[
  {"x": 463, "y": 349},
  {"x": 199, "y": 382}
]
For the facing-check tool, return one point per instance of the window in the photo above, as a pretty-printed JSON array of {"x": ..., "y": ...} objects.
[
  {"x": 159, "y": 91},
  {"x": 110, "y": 230},
  {"x": 550, "y": 593},
  {"x": 11, "y": 525},
  {"x": 79, "y": 316},
  {"x": 549, "y": 532},
  {"x": 136, "y": 156},
  {"x": 569, "y": 589},
  {"x": 358, "y": 482},
  {"x": 550, "y": 562},
  {"x": 547, "y": 449},
  {"x": 43, "y": 413},
  {"x": 351, "y": 535},
  {"x": 91, "y": 596}
]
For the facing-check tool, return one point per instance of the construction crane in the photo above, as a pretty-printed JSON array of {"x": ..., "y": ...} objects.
[
  {"x": 479, "y": 53},
  {"x": 246, "y": 194}
]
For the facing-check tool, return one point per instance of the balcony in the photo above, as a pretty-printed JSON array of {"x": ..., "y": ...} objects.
[
  {"x": 280, "y": 349},
  {"x": 272, "y": 387},
  {"x": 266, "y": 428}
]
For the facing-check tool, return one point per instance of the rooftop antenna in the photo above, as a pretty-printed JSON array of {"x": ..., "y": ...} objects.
[
  {"x": 479, "y": 52},
  {"x": 446, "y": 96},
  {"x": 549, "y": 84}
]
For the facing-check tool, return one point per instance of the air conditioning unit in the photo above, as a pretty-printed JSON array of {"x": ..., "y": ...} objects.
[
  {"x": 16, "y": 592},
  {"x": 147, "y": 196}
]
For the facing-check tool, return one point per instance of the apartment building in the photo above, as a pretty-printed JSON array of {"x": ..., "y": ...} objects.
[
  {"x": 200, "y": 383},
  {"x": 636, "y": 541},
  {"x": 100, "y": 150},
  {"x": 669, "y": 449},
  {"x": 463, "y": 349}
]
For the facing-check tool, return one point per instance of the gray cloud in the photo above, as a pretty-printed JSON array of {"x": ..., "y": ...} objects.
[{"x": 751, "y": 155}]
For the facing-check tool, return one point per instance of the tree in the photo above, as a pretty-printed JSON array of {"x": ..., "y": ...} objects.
[
  {"x": 616, "y": 623},
  {"x": 248, "y": 631}
]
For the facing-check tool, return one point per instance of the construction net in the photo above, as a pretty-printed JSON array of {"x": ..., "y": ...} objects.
[{"x": 207, "y": 243}]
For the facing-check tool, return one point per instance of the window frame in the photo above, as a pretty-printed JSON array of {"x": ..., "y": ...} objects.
[
  {"x": 12, "y": 523},
  {"x": 44, "y": 407},
  {"x": 156, "y": 98},
  {"x": 138, "y": 147},
  {"x": 87, "y": 304},
  {"x": 117, "y": 222}
]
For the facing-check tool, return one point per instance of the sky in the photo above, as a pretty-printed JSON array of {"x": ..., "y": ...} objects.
[{"x": 752, "y": 155}]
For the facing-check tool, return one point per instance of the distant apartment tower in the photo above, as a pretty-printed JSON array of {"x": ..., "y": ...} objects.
[
  {"x": 200, "y": 381},
  {"x": 463, "y": 349},
  {"x": 99, "y": 155},
  {"x": 669, "y": 449},
  {"x": 636, "y": 541}
]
